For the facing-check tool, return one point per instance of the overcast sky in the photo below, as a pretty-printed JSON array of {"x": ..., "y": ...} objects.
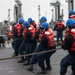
[{"x": 30, "y": 9}]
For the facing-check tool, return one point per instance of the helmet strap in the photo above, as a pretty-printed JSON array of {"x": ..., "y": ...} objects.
[
  {"x": 69, "y": 27},
  {"x": 44, "y": 29}
]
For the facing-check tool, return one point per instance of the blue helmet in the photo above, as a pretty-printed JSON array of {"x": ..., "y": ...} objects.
[
  {"x": 44, "y": 25},
  {"x": 21, "y": 20},
  {"x": 70, "y": 22},
  {"x": 26, "y": 24},
  {"x": 43, "y": 18},
  {"x": 71, "y": 12},
  {"x": 30, "y": 20}
]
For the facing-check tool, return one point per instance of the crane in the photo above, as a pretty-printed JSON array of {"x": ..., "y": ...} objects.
[
  {"x": 57, "y": 9},
  {"x": 17, "y": 10},
  {"x": 70, "y": 4}
]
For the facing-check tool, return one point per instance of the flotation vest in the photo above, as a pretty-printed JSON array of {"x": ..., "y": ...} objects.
[
  {"x": 30, "y": 29},
  {"x": 72, "y": 16},
  {"x": 9, "y": 33},
  {"x": 59, "y": 25},
  {"x": 18, "y": 28},
  {"x": 67, "y": 32},
  {"x": 73, "y": 34},
  {"x": 49, "y": 34},
  {"x": 34, "y": 24}
]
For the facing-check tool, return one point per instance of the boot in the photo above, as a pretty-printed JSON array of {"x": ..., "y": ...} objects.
[
  {"x": 43, "y": 71},
  {"x": 14, "y": 53},
  {"x": 48, "y": 68},
  {"x": 59, "y": 43},
  {"x": 30, "y": 68},
  {"x": 3, "y": 44},
  {"x": 22, "y": 60},
  {"x": 26, "y": 63},
  {"x": 0, "y": 44}
]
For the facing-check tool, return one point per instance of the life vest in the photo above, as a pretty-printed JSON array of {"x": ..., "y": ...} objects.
[
  {"x": 72, "y": 16},
  {"x": 30, "y": 29},
  {"x": 18, "y": 28},
  {"x": 49, "y": 34},
  {"x": 67, "y": 32},
  {"x": 9, "y": 33},
  {"x": 73, "y": 34},
  {"x": 34, "y": 23},
  {"x": 59, "y": 25}
]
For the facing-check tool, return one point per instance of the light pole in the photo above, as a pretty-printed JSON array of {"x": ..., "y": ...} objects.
[
  {"x": 9, "y": 18},
  {"x": 52, "y": 14},
  {"x": 46, "y": 14},
  {"x": 38, "y": 13},
  {"x": 17, "y": 10},
  {"x": 70, "y": 4},
  {"x": 57, "y": 9}
]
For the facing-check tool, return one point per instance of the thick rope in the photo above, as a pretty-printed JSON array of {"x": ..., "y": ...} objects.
[{"x": 12, "y": 57}]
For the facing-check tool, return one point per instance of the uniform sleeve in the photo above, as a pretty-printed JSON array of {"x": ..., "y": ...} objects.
[
  {"x": 37, "y": 35},
  {"x": 44, "y": 42},
  {"x": 28, "y": 38},
  {"x": 64, "y": 27},
  {"x": 28, "y": 35},
  {"x": 55, "y": 27},
  {"x": 66, "y": 45},
  {"x": 14, "y": 31}
]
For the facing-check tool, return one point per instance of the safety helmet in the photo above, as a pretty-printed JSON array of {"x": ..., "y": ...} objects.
[
  {"x": 30, "y": 19},
  {"x": 43, "y": 18},
  {"x": 12, "y": 23},
  {"x": 70, "y": 22},
  {"x": 21, "y": 20},
  {"x": 44, "y": 25},
  {"x": 71, "y": 12},
  {"x": 26, "y": 24},
  {"x": 59, "y": 19}
]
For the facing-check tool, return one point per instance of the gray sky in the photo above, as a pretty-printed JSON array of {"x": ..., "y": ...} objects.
[{"x": 30, "y": 9}]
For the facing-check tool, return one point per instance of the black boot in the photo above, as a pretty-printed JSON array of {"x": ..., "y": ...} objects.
[
  {"x": 3, "y": 44},
  {"x": 22, "y": 60},
  {"x": 48, "y": 68},
  {"x": 30, "y": 68},
  {"x": 26, "y": 63},
  {"x": 43, "y": 71},
  {"x": 0, "y": 44}
]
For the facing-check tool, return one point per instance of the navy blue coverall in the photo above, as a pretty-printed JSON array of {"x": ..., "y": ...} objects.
[
  {"x": 28, "y": 45},
  {"x": 68, "y": 60},
  {"x": 17, "y": 40},
  {"x": 59, "y": 32},
  {"x": 41, "y": 57}
]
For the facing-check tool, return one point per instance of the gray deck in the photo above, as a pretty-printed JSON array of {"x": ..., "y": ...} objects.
[{"x": 11, "y": 67}]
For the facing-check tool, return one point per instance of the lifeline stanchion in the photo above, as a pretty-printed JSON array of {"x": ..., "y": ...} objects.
[{"x": 29, "y": 54}]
